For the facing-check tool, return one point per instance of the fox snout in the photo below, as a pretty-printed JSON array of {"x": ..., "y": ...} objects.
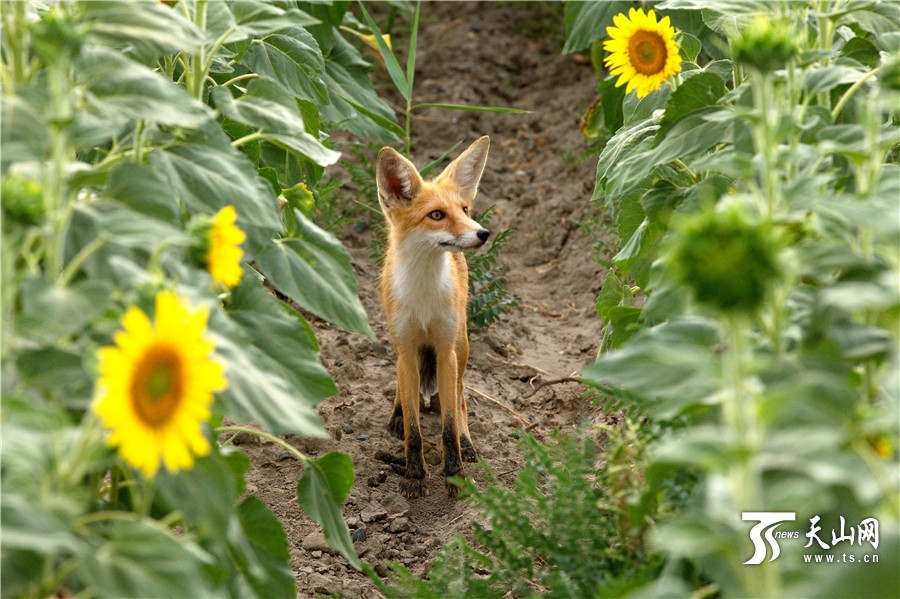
[{"x": 483, "y": 235}]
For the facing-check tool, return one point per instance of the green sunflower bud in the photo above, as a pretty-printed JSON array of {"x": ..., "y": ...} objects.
[
  {"x": 765, "y": 45},
  {"x": 724, "y": 260},
  {"x": 199, "y": 228},
  {"x": 57, "y": 37},
  {"x": 23, "y": 199}
]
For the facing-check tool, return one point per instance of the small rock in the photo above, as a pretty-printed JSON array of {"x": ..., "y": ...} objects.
[
  {"x": 395, "y": 504},
  {"x": 377, "y": 479},
  {"x": 363, "y": 438},
  {"x": 316, "y": 554},
  {"x": 381, "y": 570},
  {"x": 399, "y": 525},
  {"x": 348, "y": 429},
  {"x": 352, "y": 522},
  {"x": 419, "y": 551},
  {"x": 320, "y": 584},
  {"x": 358, "y": 535},
  {"x": 315, "y": 541},
  {"x": 373, "y": 513}
]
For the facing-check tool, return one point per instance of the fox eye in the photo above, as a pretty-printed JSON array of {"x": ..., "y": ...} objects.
[
  {"x": 436, "y": 214},
  {"x": 466, "y": 210}
]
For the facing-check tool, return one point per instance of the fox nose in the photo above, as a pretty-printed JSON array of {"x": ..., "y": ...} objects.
[{"x": 483, "y": 235}]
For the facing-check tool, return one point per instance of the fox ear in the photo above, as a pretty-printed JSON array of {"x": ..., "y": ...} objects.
[
  {"x": 466, "y": 170},
  {"x": 397, "y": 179}
]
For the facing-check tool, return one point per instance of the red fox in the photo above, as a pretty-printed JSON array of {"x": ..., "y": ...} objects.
[{"x": 424, "y": 289}]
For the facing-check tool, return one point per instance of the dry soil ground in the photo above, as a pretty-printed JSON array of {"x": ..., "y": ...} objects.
[{"x": 540, "y": 178}]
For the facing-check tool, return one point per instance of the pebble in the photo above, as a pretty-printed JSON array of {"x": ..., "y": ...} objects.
[
  {"x": 348, "y": 429},
  {"x": 358, "y": 535},
  {"x": 363, "y": 438},
  {"x": 374, "y": 481},
  {"x": 381, "y": 570},
  {"x": 315, "y": 541},
  {"x": 373, "y": 513},
  {"x": 399, "y": 525}
]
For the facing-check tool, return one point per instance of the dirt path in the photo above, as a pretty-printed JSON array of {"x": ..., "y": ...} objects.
[{"x": 476, "y": 53}]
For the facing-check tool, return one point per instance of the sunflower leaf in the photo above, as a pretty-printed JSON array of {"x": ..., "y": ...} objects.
[{"x": 321, "y": 492}]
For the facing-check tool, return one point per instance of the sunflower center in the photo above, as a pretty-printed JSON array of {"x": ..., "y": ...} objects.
[
  {"x": 647, "y": 52},
  {"x": 157, "y": 385}
]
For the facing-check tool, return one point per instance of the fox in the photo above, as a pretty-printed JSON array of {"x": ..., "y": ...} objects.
[{"x": 424, "y": 288}]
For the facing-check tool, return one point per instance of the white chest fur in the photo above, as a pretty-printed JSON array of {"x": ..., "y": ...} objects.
[{"x": 423, "y": 286}]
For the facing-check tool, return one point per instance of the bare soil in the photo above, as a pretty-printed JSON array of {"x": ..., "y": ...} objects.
[{"x": 540, "y": 177}]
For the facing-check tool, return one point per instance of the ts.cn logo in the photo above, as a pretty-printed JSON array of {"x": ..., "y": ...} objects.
[{"x": 768, "y": 522}]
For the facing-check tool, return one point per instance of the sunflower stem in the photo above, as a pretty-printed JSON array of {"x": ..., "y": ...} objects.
[{"x": 264, "y": 435}]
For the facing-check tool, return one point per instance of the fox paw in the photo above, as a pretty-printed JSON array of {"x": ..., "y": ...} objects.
[
  {"x": 467, "y": 451},
  {"x": 413, "y": 487},
  {"x": 452, "y": 489}
]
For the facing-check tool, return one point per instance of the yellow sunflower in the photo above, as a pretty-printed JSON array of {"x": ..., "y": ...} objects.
[
  {"x": 156, "y": 386},
  {"x": 643, "y": 52},
  {"x": 224, "y": 253}
]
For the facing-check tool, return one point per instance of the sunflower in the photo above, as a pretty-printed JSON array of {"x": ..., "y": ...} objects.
[
  {"x": 156, "y": 386},
  {"x": 224, "y": 254},
  {"x": 643, "y": 52}
]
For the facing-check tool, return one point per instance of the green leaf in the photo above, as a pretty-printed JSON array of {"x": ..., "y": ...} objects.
[
  {"x": 828, "y": 78},
  {"x": 132, "y": 559},
  {"x": 130, "y": 229},
  {"x": 260, "y": 388},
  {"x": 379, "y": 119},
  {"x": 285, "y": 337},
  {"x": 321, "y": 492},
  {"x": 292, "y": 59},
  {"x": 305, "y": 145},
  {"x": 269, "y": 571},
  {"x": 680, "y": 356},
  {"x": 691, "y": 136},
  {"x": 413, "y": 40},
  {"x": 50, "y": 311},
  {"x": 25, "y": 135},
  {"x": 348, "y": 80},
  {"x": 141, "y": 189},
  {"x": 314, "y": 270},
  {"x": 208, "y": 174},
  {"x": 41, "y": 526},
  {"x": 636, "y": 109},
  {"x": 862, "y": 51},
  {"x": 587, "y": 22},
  {"x": 690, "y": 47},
  {"x": 151, "y": 28},
  {"x": 611, "y": 99},
  {"x": 625, "y": 145},
  {"x": 258, "y": 18},
  {"x": 262, "y": 106},
  {"x": 390, "y": 60},
  {"x": 695, "y": 93},
  {"x": 120, "y": 88}
]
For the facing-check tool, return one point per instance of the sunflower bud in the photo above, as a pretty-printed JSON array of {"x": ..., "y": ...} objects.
[
  {"x": 200, "y": 229},
  {"x": 23, "y": 199},
  {"x": 57, "y": 37},
  {"x": 765, "y": 45},
  {"x": 727, "y": 262}
]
